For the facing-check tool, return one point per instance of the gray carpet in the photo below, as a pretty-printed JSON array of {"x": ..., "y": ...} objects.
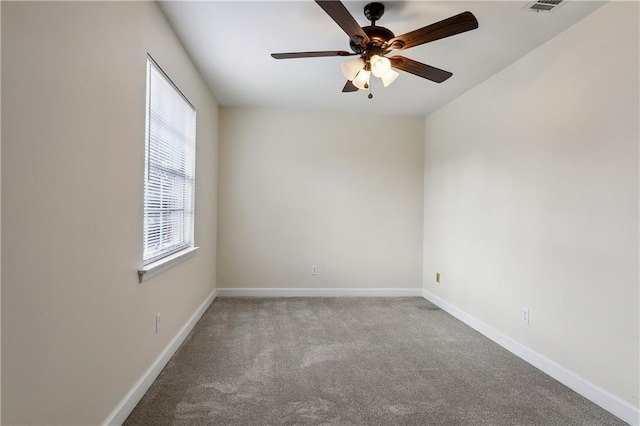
[{"x": 351, "y": 361}]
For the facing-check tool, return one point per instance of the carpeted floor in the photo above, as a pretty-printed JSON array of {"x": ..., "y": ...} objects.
[{"x": 351, "y": 361}]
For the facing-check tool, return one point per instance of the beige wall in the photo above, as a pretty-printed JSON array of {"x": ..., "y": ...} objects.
[
  {"x": 78, "y": 329},
  {"x": 0, "y": 234},
  {"x": 531, "y": 200},
  {"x": 343, "y": 192}
]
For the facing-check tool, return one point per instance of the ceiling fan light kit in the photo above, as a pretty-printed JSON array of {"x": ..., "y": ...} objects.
[
  {"x": 380, "y": 65},
  {"x": 351, "y": 69},
  {"x": 362, "y": 79},
  {"x": 389, "y": 77},
  {"x": 372, "y": 43}
]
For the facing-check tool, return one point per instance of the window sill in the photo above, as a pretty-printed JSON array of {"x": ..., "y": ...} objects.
[{"x": 151, "y": 270}]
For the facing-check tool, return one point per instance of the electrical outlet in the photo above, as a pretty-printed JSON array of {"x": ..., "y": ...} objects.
[
  {"x": 525, "y": 315},
  {"x": 314, "y": 269},
  {"x": 437, "y": 277},
  {"x": 157, "y": 322}
]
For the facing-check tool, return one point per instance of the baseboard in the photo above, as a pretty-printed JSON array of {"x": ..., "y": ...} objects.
[
  {"x": 319, "y": 292},
  {"x": 593, "y": 393},
  {"x": 135, "y": 394}
]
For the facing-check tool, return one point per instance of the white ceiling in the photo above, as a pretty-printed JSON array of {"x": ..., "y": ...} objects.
[{"x": 231, "y": 43}]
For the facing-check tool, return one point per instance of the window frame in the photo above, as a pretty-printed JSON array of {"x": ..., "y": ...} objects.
[{"x": 185, "y": 191}]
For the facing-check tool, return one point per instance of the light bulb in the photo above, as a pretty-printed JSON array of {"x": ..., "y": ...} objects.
[
  {"x": 389, "y": 77},
  {"x": 380, "y": 65},
  {"x": 361, "y": 81},
  {"x": 350, "y": 69}
]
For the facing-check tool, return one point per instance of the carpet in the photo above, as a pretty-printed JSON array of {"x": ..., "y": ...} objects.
[{"x": 351, "y": 361}]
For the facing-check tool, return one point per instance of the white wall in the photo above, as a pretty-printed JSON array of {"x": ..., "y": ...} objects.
[
  {"x": 343, "y": 192},
  {"x": 78, "y": 328},
  {"x": 531, "y": 200}
]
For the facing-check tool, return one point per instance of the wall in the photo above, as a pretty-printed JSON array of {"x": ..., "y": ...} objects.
[
  {"x": 343, "y": 192},
  {"x": 531, "y": 200},
  {"x": 78, "y": 328},
  {"x": 0, "y": 234}
]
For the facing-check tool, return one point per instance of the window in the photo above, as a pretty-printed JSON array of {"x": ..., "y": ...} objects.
[{"x": 169, "y": 172}]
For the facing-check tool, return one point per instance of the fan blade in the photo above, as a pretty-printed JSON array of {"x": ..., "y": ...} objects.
[
  {"x": 457, "y": 24},
  {"x": 319, "y": 54},
  {"x": 349, "y": 87},
  {"x": 419, "y": 69},
  {"x": 336, "y": 10}
]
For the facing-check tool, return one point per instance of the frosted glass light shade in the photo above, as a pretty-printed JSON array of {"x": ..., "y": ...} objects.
[
  {"x": 380, "y": 65},
  {"x": 350, "y": 69},
  {"x": 389, "y": 77},
  {"x": 362, "y": 79}
]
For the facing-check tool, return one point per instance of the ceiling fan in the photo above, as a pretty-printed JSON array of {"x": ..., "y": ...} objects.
[{"x": 372, "y": 43}]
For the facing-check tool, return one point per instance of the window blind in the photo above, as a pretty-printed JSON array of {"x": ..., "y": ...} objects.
[{"x": 169, "y": 178}]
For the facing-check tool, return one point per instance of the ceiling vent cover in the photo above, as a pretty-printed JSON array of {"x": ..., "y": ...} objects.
[{"x": 544, "y": 5}]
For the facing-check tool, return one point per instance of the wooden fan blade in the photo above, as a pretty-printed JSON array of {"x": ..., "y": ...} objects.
[
  {"x": 349, "y": 87},
  {"x": 419, "y": 69},
  {"x": 457, "y": 24},
  {"x": 336, "y": 10},
  {"x": 319, "y": 54}
]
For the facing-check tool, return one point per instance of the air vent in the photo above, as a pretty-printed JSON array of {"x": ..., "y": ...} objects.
[{"x": 544, "y": 5}]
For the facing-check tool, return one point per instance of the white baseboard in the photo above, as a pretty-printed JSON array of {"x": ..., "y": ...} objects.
[
  {"x": 593, "y": 393},
  {"x": 319, "y": 292},
  {"x": 135, "y": 394}
]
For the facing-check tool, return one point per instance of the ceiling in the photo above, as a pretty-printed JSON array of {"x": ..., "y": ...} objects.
[{"x": 231, "y": 42}]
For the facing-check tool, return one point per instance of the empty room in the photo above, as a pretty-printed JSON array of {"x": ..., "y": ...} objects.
[{"x": 320, "y": 212}]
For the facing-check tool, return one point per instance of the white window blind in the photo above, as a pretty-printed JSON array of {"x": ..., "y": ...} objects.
[{"x": 169, "y": 184}]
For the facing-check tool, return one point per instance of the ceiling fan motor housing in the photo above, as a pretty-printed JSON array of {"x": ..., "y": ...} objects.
[{"x": 378, "y": 38}]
